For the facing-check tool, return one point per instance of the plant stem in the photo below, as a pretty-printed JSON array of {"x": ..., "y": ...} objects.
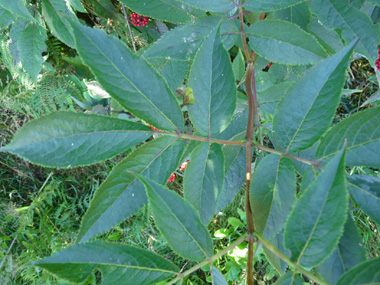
[
  {"x": 202, "y": 139},
  {"x": 279, "y": 254},
  {"x": 241, "y": 15},
  {"x": 285, "y": 154},
  {"x": 248, "y": 156},
  {"x": 208, "y": 261},
  {"x": 129, "y": 27}
]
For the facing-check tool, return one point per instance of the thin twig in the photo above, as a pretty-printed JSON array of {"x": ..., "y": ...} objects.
[
  {"x": 129, "y": 27},
  {"x": 313, "y": 163},
  {"x": 279, "y": 254},
  {"x": 202, "y": 139},
  {"x": 208, "y": 261}
]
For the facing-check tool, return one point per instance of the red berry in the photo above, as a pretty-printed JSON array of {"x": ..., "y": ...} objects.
[
  {"x": 139, "y": 20},
  {"x": 171, "y": 178},
  {"x": 377, "y": 64},
  {"x": 183, "y": 165}
]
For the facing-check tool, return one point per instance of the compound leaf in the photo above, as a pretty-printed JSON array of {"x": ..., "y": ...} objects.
[
  {"x": 212, "y": 80},
  {"x": 272, "y": 193},
  {"x": 121, "y": 264},
  {"x": 178, "y": 222},
  {"x": 288, "y": 43},
  {"x": 204, "y": 178},
  {"x": 365, "y": 190},
  {"x": 129, "y": 79},
  {"x": 122, "y": 194},
  {"x": 362, "y": 133},
  {"x": 68, "y": 139},
  {"x": 307, "y": 109},
  {"x": 318, "y": 216}
]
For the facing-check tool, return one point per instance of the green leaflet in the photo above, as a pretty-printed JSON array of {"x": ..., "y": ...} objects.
[
  {"x": 119, "y": 264},
  {"x": 104, "y": 8},
  {"x": 270, "y": 5},
  {"x": 298, "y": 14},
  {"x": 307, "y": 109},
  {"x": 52, "y": 11},
  {"x": 164, "y": 10},
  {"x": 288, "y": 43},
  {"x": 238, "y": 66},
  {"x": 31, "y": 44},
  {"x": 16, "y": 30},
  {"x": 287, "y": 279},
  {"x": 278, "y": 242},
  {"x": 365, "y": 190},
  {"x": 204, "y": 178},
  {"x": 338, "y": 14},
  {"x": 178, "y": 222},
  {"x": 122, "y": 194},
  {"x": 329, "y": 39},
  {"x": 234, "y": 178},
  {"x": 270, "y": 97},
  {"x": 18, "y": 8},
  {"x": 183, "y": 42},
  {"x": 348, "y": 253},
  {"x": 77, "y": 5},
  {"x": 212, "y": 80},
  {"x": 6, "y": 17},
  {"x": 367, "y": 272},
  {"x": 362, "y": 132},
  {"x": 318, "y": 216},
  {"x": 272, "y": 193},
  {"x": 129, "y": 79},
  {"x": 212, "y": 5},
  {"x": 67, "y": 139},
  {"x": 237, "y": 126},
  {"x": 217, "y": 277},
  {"x": 174, "y": 71}
]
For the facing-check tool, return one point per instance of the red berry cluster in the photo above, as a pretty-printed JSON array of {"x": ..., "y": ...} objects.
[
  {"x": 377, "y": 62},
  {"x": 138, "y": 20}
]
